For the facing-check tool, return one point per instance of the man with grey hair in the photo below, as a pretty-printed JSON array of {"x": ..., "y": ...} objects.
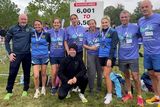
[
  {"x": 150, "y": 29},
  {"x": 128, "y": 34},
  {"x": 20, "y": 35}
]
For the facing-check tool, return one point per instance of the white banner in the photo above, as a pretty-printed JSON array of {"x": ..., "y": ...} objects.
[{"x": 87, "y": 10}]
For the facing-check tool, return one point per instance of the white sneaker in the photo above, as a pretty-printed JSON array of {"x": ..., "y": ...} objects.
[
  {"x": 36, "y": 94},
  {"x": 43, "y": 91},
  {"x": 81, "y": 96},
  {"x": 77, "y": 89},
  {"x": 68, "y": 95},
  {"x": 108, "y": 98}
]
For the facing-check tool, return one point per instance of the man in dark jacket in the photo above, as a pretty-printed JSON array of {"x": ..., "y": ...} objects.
[
  {"x": 20, "y": 35},
  {"x": 72, "y": 72}
]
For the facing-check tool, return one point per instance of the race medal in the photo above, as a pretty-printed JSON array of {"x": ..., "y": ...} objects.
[
  {"x": 38, "y": 38},
  {"x": 80, "y": 36}
]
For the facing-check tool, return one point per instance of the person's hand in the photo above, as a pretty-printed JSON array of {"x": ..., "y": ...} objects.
[
  {"x": 109, "y": 63},
  {"x": 67, "y": 52},
  {"x": 74, "y": 80},
  {"x": 70, "y": 82},
  {"x": 12, "y": 57},
  {"x": 94, "y": 48}
]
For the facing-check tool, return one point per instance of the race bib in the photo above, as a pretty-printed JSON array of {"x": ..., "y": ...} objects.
[
  {"x": 80, "y": 39},
  {"x": 149, "y": 33},
  {"x": 60, "y": 43},
  {"x": 129, "y": 40}
]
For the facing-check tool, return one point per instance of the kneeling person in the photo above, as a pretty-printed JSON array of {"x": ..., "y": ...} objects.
[{"x": 72, "y": 72}]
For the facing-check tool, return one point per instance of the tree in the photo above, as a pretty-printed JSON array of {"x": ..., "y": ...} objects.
[
  {"x": 46, "y": 10},
  {"x": 136, "y": 14},
  {"x": 157, "y": 10},
  {"x": 113, "y": 13},
  {"x": 32, "y": 11},
  {"x": 9, "y": 13}
]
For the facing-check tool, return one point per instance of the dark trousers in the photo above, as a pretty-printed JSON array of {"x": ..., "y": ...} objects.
[
  {"x": 25, "y": 59},
  {"x": 65, "y": 87}
]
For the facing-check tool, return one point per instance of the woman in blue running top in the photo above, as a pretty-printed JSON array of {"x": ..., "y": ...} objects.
[
  {"x": 39, "y": 45},
  {"x": 107, "y": 50},
  {"x": 56, "y": 51},
  {"x": 74, "y": 35}
]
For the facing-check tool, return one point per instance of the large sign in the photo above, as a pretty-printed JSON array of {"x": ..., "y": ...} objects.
[{"x": 87, "y": 11}]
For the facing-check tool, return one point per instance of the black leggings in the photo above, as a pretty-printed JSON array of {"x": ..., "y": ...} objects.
[{"x": 64, "y": 88}]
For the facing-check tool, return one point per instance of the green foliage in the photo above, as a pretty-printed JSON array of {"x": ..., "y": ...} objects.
[
  {"x": 157, "y": 10},
  {"x": 112, "y": 12},
  {"x": 8, "y": 13},
  {"x": 46, "y": 10},
  {"x": 136, "y": 14}
]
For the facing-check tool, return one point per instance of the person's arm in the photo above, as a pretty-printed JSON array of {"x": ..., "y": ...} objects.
[
  {"x": 61, "y": 71},
  {"x": 66, "y": 46},
  {"x": 114, "y": 43},
  {"x": 65, "y": 42},
  {"x": 82, "y": 70},
  {"x": 94, "y": 48},
  {"x": 8, "y": 37},
  {"x": 86, "y": 46}
]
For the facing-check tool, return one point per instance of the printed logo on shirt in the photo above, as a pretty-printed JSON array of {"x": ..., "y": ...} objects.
[
  {"x": 147, "y": 32},
  {"x": 43, "y": 36},
  {"x": 27, "y": 30},
  {"x": 74, "y": 36},
  {"x": 108, "y": 35},
  {"x": 57, "y": 42},
  {"x": 125, "y": 40}
]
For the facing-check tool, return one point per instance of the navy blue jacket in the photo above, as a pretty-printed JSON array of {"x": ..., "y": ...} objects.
[{"x": 21, "y": 39}]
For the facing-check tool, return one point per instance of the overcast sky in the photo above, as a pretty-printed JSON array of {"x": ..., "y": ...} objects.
[{"x": 130, "y": 5}]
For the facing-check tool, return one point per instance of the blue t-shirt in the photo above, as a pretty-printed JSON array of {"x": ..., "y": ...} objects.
[
  {"x": 57, "y": 43},
  {"x": 107, "y": 39},
  {"x": 75, "y": 35},
  {"x": 39, "y": 44},
  {"x": 91, "y": 39},
  {"x": 150, "y": 31},
  {"x": 128, "y": 41}
]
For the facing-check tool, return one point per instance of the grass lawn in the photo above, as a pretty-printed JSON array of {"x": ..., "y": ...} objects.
[{"x": 53, "y": 101}]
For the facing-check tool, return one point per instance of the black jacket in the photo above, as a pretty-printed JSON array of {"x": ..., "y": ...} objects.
[
  {"x": 71, "y": 67},
  {"x": 21, "y": 38}
]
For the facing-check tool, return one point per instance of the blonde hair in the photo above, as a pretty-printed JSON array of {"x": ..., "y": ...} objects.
[{"x": 107, "y": 18}]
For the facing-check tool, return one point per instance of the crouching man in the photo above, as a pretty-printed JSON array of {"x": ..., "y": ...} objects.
[{"x": 72, "y": 73}]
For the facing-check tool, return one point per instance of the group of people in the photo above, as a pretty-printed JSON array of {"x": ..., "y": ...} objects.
[{"x": 64, "y": 49}]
